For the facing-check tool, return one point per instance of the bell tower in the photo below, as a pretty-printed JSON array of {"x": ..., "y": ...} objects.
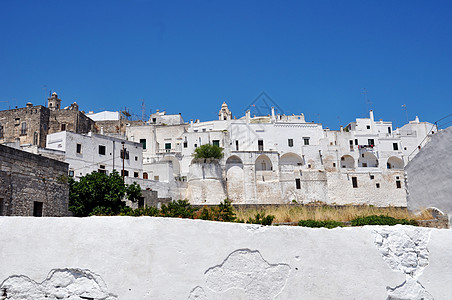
[
  {"x": 53, "y": 103},
  {"x": 225, "y": 113}
]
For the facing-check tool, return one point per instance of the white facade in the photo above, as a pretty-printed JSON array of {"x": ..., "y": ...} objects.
[
  {"x": 280, "y": 159},
  {"x": 93, "y": 152},
  {"x": 104, "y": 116}
]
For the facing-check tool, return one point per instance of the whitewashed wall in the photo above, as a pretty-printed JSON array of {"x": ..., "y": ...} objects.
[{"x": 154, "y": 258}]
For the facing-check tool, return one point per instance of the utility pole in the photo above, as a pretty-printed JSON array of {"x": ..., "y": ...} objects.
[{"x": 123, "y": 158}]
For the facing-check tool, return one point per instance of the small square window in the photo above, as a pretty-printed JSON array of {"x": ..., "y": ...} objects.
[
  {"x": 372, "y": 176},
  {"x": 79, "y": 148},
  {"x": 334, "y": 165},
  {"x": 377, "y": 185},
  {"x": 156, "y": 178},
  {"x": 124, "y": 173},
  {"x": 185, "y": 144},
  {"x": 398, "y": 184},
  {"x": 306, "y": 141},
  {"x": 135, "y": 174},
  {"x": 101, "y": 150},
  {"x": 290, "y": 142},
  {"x": 395, "y": 146},
  {"x": 368, "y": 126},
  {"x": 136, "y": 158},
  {"x": 216, "y": 143}
]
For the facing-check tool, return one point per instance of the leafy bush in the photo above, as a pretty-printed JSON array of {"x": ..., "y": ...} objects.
[
  {"x": 142, "y": 211},
  {"x": 223, "y": 212},
  {"x": 261, "y": 219},
  {"x": 318, "y": 224},
  {"x": 381, "y": 220},
  {"x": 208, "y": 151},
  {"x": 100, "y": 194},
  {"x": 177, "y": 209}
]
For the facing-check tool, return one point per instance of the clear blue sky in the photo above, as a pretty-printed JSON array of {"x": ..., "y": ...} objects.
[{"x": 190, "y": 56}]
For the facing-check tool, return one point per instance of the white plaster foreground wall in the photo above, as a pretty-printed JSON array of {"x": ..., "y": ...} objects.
[{"x": 160, "y": 258}]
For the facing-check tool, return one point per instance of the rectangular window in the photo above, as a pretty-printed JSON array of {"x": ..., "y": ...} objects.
[
  {"x": 351, "y": 145},
  {"x": 143, "y": 142},
  {"x": 306, "y": 141},
  {"x": 79, "y": 148},
  {"x": 216, "y": 143},
  {"x": 154, "y": 120},
  {"x": 168, "y": 147},
  {"x": 135, "y": 174},
  {"x": 37, "y": 209},
  {"x": 389, "y": 130},
  {"x": 101, "y": 150},
  {"x": 71, "y": 173},
  {"x": 355, "y": 182},
  {"x": 356, "y": 141},
  {"x": 370, "y": 142},
  {"x": 236, "y": 145},
  {"x": 102, "y": 169},
  {"x": 298, "y": 183},
  {"x": 140, "y": 202},
  {"x": 377, "y": 185},
  {"x": 290, "y": 142},
  {"x": 372, "y": 176},
  {"x": 398, "y": 184},
  {"x": 1, "y": 131},
  {"x": 260, "y": 145},
  {"x": 136, "y": 158},
  {"x": 185, "y": 144},
  {"x": 2, "y": 207},
  {"x": 126, "y": 156},
  {"x": 368, "y": 126},
  {"x": 395, "y": 146},
  {"x": 124, "y": 173},
  {"x": 63, "y": 127},
  {"x": 156, "y": 178},
  {"x": 145, "y": 175},
  {"x": 23, "y": 129}
]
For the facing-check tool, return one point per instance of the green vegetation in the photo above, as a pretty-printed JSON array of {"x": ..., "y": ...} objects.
[
  {"x": 177, "y": 209},
  {"x": 317, "y": 224},
  {"x": 261, "y": 218},
  {"x": 381, "y": 220},
  {"x": 208, "y": 151},
  {"x": 223, "y": 212},
  {"x": 100, "y": 194}
]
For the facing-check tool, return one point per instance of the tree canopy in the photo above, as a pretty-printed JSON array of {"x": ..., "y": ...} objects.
[
  {"x": 208, "y": 151},
  {"x": 98, "y": 193}
]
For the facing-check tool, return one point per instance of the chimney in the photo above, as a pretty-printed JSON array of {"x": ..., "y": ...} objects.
[
  {"x": 248, "y": 116},
  {"x": 371, "y": 116},
  {"x": 29, "y": 104},
  {"x": 342, "y": 128},
  {"x": 273, "y": 115}
]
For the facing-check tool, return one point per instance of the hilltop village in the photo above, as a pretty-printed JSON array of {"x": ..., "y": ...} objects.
[{"x": 270, "y": 159}]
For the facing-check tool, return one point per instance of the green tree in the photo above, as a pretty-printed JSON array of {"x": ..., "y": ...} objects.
[
  {"x": 100, "y": 194},
  {"x": 208, "y": 151}
]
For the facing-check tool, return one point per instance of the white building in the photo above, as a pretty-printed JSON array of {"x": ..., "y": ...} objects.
[
  {"x": 93, "y": 152},
  {"x": 280, "y": 159}
]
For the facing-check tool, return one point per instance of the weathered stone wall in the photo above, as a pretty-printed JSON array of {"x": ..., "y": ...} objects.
[
  {"x": 74, "y": 120},
  {"x": 161, "y": 258},
  {"x": 36, "y": 119},
  {"x": 26, "y": 178}
]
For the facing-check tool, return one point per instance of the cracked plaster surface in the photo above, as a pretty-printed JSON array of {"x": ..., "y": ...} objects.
[
  {"x": 404, "y": 249},
  {"x": 71, "y": 284},
  {"x": 247, "y": 270}
]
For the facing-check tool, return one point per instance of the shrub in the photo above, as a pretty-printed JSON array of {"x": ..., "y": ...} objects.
[
  {"x": 318, "y": 224},
  {"x": 261, "y": 219},
  {"x": 142, "y": 211},
  {"x": 177, "y": 209},
  {"x": 223, "y": 212},
  {"x": 208, "y": 151},
  {"x": 381, "y": 220}
]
